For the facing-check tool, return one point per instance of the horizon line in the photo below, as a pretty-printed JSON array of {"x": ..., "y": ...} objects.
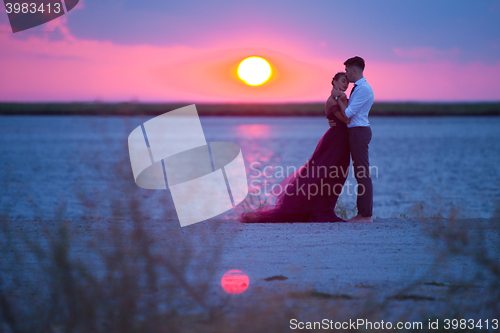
[{"x": 238, "y": 102}]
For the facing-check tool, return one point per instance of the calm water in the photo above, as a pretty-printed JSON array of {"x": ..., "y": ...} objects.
[{"x": 75, "y": 165}]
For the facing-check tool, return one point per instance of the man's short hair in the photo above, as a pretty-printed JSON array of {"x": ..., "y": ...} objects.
[{"x": 356, "y": 61}]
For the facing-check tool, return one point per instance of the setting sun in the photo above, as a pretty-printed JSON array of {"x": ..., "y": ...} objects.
[{"x": 254, "y": 71}]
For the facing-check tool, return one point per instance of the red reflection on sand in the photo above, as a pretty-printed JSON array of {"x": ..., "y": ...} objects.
[
  {"x": 234, "y": 282},
  {"x": 261, "y": 130}
]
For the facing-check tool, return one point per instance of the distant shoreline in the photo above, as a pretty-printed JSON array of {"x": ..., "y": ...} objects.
[{"x": 228, "y": 109}]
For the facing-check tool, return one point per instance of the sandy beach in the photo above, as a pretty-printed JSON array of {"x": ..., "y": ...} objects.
[{"x": 388, "y": 270}]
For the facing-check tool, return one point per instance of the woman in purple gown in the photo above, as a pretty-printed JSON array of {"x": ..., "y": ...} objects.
[{"x": 311, "y": 192}]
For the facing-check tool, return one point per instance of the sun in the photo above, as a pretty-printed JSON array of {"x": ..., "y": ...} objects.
[{"x": 254, "y": 71}]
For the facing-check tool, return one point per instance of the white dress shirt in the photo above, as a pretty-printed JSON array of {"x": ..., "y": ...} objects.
[{"x": 360, "y": 103}]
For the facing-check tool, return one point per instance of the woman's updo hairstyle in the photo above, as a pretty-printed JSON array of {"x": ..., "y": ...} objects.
[{"x": 337, "y": 76}]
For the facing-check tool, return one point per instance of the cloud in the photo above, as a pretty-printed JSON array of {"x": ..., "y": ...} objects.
[
  {"x": 61, "y": 24},
  {"x": 434, "y": 81},
  {"x": 39, "y": 69},
  {"x": 35, "y": 68},
  {"x": 426, "y": 53}
]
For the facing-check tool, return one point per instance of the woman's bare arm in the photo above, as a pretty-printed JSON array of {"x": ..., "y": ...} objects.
[
  {"x": 330, "y": 103},
  {"x": 342, "y": 117}
]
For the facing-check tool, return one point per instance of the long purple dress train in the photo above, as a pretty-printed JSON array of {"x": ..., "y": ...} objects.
[{"x": 311, "y": 192}]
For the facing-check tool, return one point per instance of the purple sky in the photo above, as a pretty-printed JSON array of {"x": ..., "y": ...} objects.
[{"x": 178, "y": 51}]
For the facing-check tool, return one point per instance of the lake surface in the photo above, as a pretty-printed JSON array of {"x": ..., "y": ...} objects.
[{"x": 73, "y": 166}]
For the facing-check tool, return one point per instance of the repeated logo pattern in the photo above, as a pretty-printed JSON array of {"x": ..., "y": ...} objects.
[{"x": 205, "y": 179}]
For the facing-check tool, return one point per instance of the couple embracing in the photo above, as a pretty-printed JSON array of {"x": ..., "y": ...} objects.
[{"x": 311, "y": 192}]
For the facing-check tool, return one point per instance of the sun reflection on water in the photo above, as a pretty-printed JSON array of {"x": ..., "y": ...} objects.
[{"x": 235, "y": 282}]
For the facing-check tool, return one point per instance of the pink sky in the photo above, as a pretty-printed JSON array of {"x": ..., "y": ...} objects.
[{"x": 36, "y": 69}]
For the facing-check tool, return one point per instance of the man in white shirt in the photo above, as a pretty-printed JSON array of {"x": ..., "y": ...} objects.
[{"x": 360, "y": 134}]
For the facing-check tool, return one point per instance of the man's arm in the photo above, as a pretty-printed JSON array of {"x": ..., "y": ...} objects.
[{"x": 362, "y": 96}]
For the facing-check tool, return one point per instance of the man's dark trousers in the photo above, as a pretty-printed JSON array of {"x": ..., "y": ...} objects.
[{"x": 359, "y": 138}]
